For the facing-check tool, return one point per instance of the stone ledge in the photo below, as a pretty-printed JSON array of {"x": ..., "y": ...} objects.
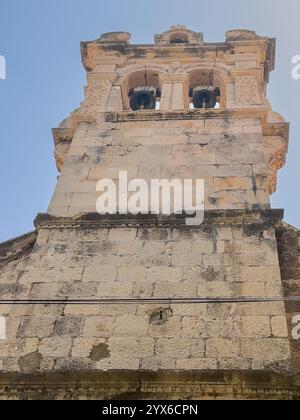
[
  {"x": 219, "y": 217},
  {"x": 17, "y": 247},
  {"x": 150, "y": 115},
  {"x": 133, "y": 385},
  {"x": 127, "y": 116}
]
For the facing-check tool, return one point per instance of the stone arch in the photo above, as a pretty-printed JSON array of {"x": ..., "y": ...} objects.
[
  {"x": 127, "y": 75},
  {"x": 223, "y": 69},
  {"x": 125, "y": 72},
  {"x": 219, "y": 73}
]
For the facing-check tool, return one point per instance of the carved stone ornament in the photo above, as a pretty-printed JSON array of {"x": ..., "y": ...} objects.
[
  {"x": 247, "y": 91},
  {"x": 61, "y": 152},
  {"x": 275, "y": 151},
  {"x": 287, "y": 240}
]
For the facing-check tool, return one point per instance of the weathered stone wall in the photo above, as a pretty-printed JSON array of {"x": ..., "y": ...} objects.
[
  {"x": 227, "y": 153},
  {"x": 289, "y": 253},
  {"x": 229, "y": 256},
  {"x": 150, "y": 261}
]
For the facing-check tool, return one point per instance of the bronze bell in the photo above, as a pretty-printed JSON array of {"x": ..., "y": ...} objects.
[
  {"x": 205, "y": 98},
  {"x": 143, "y": 99}
]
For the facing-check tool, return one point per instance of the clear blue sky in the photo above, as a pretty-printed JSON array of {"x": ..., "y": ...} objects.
[{"x": 40, "y": 40}]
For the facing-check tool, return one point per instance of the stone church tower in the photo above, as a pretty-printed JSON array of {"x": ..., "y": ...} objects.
[{"x": 123, "y": 306}]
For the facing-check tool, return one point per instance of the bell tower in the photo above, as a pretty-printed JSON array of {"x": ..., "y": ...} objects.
[
  {"x": 144, "y": 305},
  {"x": 180, "y": 107}
]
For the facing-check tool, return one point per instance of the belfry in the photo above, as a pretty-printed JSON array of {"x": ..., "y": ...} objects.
[{"x": 123, "y": 306}]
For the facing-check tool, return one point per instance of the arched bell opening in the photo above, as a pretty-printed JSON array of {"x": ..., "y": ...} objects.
[
  {"x": 144, "y": 91},
  {"x": 205, "y": 90},
  {"x": 179, "y": 38}
]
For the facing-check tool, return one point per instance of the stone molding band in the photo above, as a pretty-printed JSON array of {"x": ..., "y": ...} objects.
[
  {"x": 129, "y": 385},
  {"x": 218, "y": 217}
]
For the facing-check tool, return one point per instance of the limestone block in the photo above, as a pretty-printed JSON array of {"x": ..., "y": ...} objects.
[
  {"x": 12, "y": 326},
  {"x": 28, "y": 346},
  {"x": 187, "y": 310},
  {"x": 89, "y": 200},
  {"x": 157, "y": 363},
  {"x": 178, "y": 247},
  {"x": 253, "y": 129},
  {"x": 251, "y": 274},
  {"x": 270, "y": 350},
  {"x": 234, "y": 363},
  {"x": 69, "y": 326},
  {"x": 233, "y": 183},
  {"x": 170, "y": 329},
  {"x": 142, "y": 289},
  {"x": 55, "y": 346},
  {"x": 222, "y": 348},
  {"x": 40, "y": 327},
  {"x": 99, "y": 273},
  {"x": 216, "y": 289},
  {"x": 193, "y": 327},
  {"x": 262, "y": 309},
  {"x": 132, "y": 273},
  {"x": 82, "y": 310},
  {"x": 114, "y": 290},
  {"x": 99, "y": 327},
  {"x": 165, "y": 289},
  {"x": 131, "y": 348},
  {"x": 118, "y": 363},
  {"x": 114, "y": 310},
  {"x": 197, "y": 364},
  {"x": 82, "y": 347},
  {"x": 252, "y": 289},
  {"x": 255, "y": 326},
  {"x": 202, "y": 247},
  {"x": 225, "y": 233},
  {"x": 279, "y": 327},
  {"x": 130, "y": 248},
  {"x": 122, "y": 235},
  {"x": 78, "y": 290},
  {"x": 131, "y": 326},
  {"x": 247, "y": 121},
  {"x": 164, "y": 274},
  {"x": 104, "y": 172},
  {"x": 253, "y": 259},
  {"x": 11, "y": 364},
  {"x": 175, "y": 348},
  {"x": 44, "y": 290}
]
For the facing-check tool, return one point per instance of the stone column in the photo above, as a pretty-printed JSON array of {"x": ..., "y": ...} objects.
[
  {"x": 115, "y": 102},
  {"x": 174, "y": 93}
]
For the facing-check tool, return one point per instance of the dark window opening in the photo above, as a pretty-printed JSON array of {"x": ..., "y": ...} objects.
[
  {"x": 179, "y": 38},
  {"x": 178, "y": 41}
]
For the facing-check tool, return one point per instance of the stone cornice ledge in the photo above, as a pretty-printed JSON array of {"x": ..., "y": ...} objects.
[
  {"x": 150, "y": 115},
  {"x": 219, "y": 217},
  {"x": 135, "y": 385},
  {"x": 17, "y": 247}
]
